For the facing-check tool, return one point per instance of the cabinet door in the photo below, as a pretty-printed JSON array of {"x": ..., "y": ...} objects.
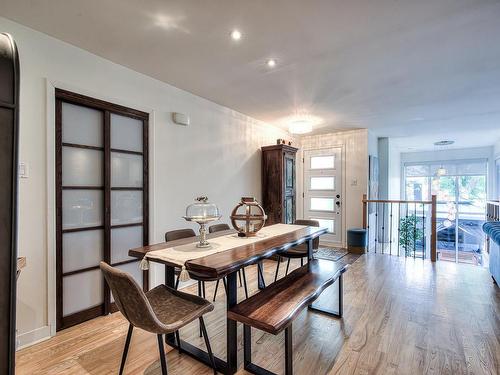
[{"x": 288, "y": 188}]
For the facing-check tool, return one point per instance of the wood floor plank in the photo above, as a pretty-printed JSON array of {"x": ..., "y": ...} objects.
[{"x": 401, "y": 316}]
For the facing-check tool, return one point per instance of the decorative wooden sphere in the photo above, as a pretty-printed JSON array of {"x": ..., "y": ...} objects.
[{"x": 248, "y": 217}]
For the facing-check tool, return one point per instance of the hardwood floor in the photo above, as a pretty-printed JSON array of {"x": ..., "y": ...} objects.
[{"x": 400, "y": 317}]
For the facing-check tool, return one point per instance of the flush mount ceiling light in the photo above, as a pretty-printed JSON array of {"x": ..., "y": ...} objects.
[
  {"x": 236, "y": 34},
  {"x": 302, "y": 123},
  {"x": 443, "y": 143},
  {"x": 271, "y": 63}
]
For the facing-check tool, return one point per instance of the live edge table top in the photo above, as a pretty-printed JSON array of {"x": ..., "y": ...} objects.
[{"x": 218, "y": 265}]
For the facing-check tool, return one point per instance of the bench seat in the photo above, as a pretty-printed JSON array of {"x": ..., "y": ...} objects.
[{"x": 275, "y": 307}]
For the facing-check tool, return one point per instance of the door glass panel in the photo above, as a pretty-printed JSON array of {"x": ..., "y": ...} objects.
[
  {"x": 126, "y": 133},
  {"x": 124, "y": 239},
  {"x": 289, "y": 177},
  {"x": 444, "y": 187},
  {"x": 322, "y": 183},
  {"x": 81, "y": 125},
  {"x": 81, "y": 167},
  {"x": 322, "y": 162},
  {"x": 126, "y": 170},
  {"x": 126, "y": 207},
  {"x": 289, "y": 219},
  {"x": 82, "y": 208},
  {"x": 133, "y": 270},
  {"x": 473, "y": 190},
  {"x": 77, "y": 298},
  {"x": 326, "y": 223},
  {"x": 82, "y": 249},
  {"x": 322, "y": 204}
]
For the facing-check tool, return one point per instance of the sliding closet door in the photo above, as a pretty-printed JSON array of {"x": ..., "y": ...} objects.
[{"x": 101, "y": 181}]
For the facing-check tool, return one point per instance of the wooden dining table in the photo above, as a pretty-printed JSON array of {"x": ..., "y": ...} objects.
[{"x": 226, "y": 264}]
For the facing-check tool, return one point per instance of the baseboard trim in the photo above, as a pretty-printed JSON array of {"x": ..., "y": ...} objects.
[{"x": 26, "y": 339}]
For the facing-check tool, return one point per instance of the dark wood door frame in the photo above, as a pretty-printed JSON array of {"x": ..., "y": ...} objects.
[{"x": 106, "y": 108}]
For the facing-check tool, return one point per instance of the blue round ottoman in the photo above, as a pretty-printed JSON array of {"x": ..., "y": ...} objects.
[{"x": 357, "y": 240}]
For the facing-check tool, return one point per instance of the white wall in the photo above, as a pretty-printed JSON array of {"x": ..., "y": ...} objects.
[
  {"x": 455, "y": 154},
  {"x": 355, "y": 179},
  {"x": 217, "y": 155}
]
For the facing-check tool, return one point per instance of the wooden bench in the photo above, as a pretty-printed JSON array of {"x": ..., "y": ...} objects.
[{"x": 274, "y": 309}]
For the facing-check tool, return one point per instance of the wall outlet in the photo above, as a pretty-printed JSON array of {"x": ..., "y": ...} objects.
[{"x": 354, "y": 182}]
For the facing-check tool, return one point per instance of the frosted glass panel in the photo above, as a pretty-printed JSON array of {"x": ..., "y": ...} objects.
[
  {"x": 124, "y": 239},
  {"x": 322, "y": 204},
  {"x": 126, "y": 133},
  {"x": 81, "y": 167},
  {"x": 82, "y": 249},
  {"x": 82, "y": 208},
  {"x": 81, "y": 125},
  {"x": 126, "y": 170},
  {"x": 326, "y": 223},
  {"x": 133, "y": 270},
  {"x": 126, "y": 207},
  {"x": 322, "y": 183},
  {"x": 82, "y": 291},
  {"x": 323, "y": 162}
]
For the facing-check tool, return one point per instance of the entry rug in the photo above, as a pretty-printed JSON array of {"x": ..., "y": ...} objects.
[{"x": 330, "y": 253}]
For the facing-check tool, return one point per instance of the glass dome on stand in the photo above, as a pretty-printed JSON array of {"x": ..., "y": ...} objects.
[{"x": 202, "y": 212}]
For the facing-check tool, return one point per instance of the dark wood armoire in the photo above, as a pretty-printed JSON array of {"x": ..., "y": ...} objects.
[
  {"x": 279, "y": 183},
  {"x": 9, "y": 115}
]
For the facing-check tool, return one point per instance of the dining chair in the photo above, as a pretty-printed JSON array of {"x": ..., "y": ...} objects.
[
  {"x": 178, "y": 234},
  {"x": 299, "y": 251},
  {"x": 162, "y": 310},
  {"x": 219, "y": 228}
]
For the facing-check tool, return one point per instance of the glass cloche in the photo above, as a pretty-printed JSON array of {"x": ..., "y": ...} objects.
[{"x": 202, "y": 212}]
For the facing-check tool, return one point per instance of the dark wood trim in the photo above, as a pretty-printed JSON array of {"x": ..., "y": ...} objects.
[
  {"x": 127, "y": 225},
  {"x": 107, "y": 109},
  {"x": 59, "y": 230},
  {"x": 120, "y": 151},
  {"x": 103, "y": 105},
  {"x": 107, "y": 202},
  {"x": 280, "y": 147},
  {"x": 127, "y": 188},
  {"x": 81, "y": 229},
  {"x": 82, "y": 187},
  {"x": 81, "y": 270},
  {"x": 7, "y": 105},
  {"x": 121, "y": 263},
  {"x": 145, "y": 193},
  {"x": 81, "y": 316},
  {"x": 86, "y": 147}
]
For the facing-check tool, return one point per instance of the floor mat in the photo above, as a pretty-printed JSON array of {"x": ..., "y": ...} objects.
[{"x": 330, "y": 253}]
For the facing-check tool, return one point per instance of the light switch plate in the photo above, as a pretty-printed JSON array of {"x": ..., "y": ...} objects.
[
  {"x": 23, "y": 170},
  {"x": 354, "y": 182}
]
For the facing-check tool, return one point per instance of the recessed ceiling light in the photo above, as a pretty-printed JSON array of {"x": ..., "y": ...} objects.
[
  {"x": 236, "y": 35},
  {"x": 271, "y": 63}
]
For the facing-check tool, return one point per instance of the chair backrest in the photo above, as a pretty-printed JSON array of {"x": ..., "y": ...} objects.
[
  {"x": 130, "y": 299},
  {"x": 178, "y": 234},
  {"x": 218, "y": 228},
  {"x": 311, "y": 223}
]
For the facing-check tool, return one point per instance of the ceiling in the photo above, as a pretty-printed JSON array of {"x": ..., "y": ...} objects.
[{"x": 398, "y": 67}]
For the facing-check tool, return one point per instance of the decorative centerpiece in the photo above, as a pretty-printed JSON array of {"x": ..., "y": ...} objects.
[
  {"x": 202, "y": 212},
  {"x": 248, "y": 217}
]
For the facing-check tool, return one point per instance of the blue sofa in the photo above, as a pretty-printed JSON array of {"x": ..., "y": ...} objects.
[{"x": 492, "y": 229}]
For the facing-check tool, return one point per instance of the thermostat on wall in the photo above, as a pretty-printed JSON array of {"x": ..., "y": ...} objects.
[{"x": 180, "y": 118}]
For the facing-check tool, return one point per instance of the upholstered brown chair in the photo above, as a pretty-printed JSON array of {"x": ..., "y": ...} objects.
[
  {"x": 219, "y": 228},
  {"x": 161, "y": 311},
  {"x": 299, "y": 251}
]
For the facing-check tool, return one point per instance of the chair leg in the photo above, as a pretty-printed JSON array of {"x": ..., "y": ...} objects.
[
  {"x": 288, "y": 351},
  {"x": 216, "y": 288},
  {"x": 277, "y": 269},
  {"x": 301, "y": 262},
  {"x": 287, "y": 266},
  {"x": 177, "y": 283},
  {"x": 163, "y": 358},
  {"x": 125, "y": 349},
  {"x": 200, "y": 294},
  {"x": 245, "y": 282},
  {"x": 178, "y": 340},
  {"x": 225, "y": 284},
  {"x": 204, "y": 290},
  {"x": 207, "y": 343}
]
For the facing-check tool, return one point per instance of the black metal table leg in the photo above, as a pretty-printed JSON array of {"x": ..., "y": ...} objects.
[
  {"x": 288, "y": 350},
  {"x": 231, "y": 335}
]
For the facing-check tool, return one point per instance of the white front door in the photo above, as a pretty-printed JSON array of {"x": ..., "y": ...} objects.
[{"x": 323, "y": 190}]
